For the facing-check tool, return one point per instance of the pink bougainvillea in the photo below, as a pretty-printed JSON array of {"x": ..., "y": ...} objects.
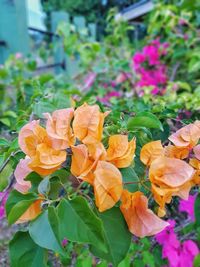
[
  {"x": 3, "y": 198},
  {"x": 149, "y": 67},
  {"x": 188, "y": 206},
  {"x": 173, "y": 250}
]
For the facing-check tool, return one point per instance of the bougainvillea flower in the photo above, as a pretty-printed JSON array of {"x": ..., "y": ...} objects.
[
  {"x": 3, "y": 199},
  {"x": 107, "y": 185},
  {"x": 32, "y": 212},
  {"x": 196, "y": 150},
  {"x": 59, "y": 129},
  {"x": 188, "y": 252},
  {"x": 170, "y": 172},
  {"x": 188, "y": 206},
  {"x": 163, "y": 195},
  {"x": 88, "y": 123},
  {"x": 31, "y": 135},
  {"x": 176, "y": 152},
  {"x": 141, "y": 221},
  {"x": 187, "y": 136},
  {"x": 168, "y": 239},
  {"x": 89, "y": 80},
  {"x": 82, "y": 164},
  {"x": 121, "y": 152},
  {"x": 47, "y": 160},
  {"x": 151, "y": 151},
  {"x": 21, "y": 171},
  {"x": 195, "y": 163}
]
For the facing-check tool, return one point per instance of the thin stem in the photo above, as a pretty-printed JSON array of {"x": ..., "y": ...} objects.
[{"x": 7, "y": 160}]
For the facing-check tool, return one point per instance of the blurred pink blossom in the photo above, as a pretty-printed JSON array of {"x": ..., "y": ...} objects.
[
  {"x": 3, "y": 199},
  {"x": 89, "y": 80},
  {"x": 188, "y": 206},
  {"x": 177, "y": 253}
]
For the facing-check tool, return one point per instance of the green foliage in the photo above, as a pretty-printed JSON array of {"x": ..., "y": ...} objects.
[{"x": 24, "y": 252}]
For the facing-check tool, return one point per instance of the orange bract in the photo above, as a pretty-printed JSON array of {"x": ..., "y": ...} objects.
[
  {"x": 151, "y": 151},
  {"x": 88, "y": 123},
  {"x": 59, "y": 129},
  {"x": 170, "y": 177},
  {"x": 107, "y": 185},
  {"x": 47, "y": 159},
  {"x": 121, "y": 152},
  {"x": 141, "y": 221},
  {"x": 32, "y": 212},
  {"x": 176, "y": 152},
  {"x": 187, "y": 136},
  {"x": 170, "y": 172},
  {"x": 31, "y": 135},
  {"x": 196, "y": 150}
]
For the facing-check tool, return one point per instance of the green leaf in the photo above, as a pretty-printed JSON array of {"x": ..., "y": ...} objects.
[
  {"x": 35, "y": 180},
  {"x": 42, "y": 234},
  {"x": 17, "y": 204},
  {"x": 4, "y": 142},
  {"x": 5, "y": 176},
  {"x": 117, "y": 235},
  {"x": 148, "y": 258},
  {"x": 196, "y": 262},
  {"x": 75, "y": 221},
  {"x": 44, "y": 187},
  {"x": 197, "y": 210},
  {"x": 144, "y": 119},
  {"x": 129, "y": 175},
  {"x": 25, "y": 253}
]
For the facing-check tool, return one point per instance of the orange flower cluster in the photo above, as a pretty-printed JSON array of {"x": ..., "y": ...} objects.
[
  {"x": 173, "y": 169},
  {"x": 81, "y": 131}
]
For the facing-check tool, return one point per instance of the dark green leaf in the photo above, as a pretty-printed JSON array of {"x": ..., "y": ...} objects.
[
  {"x": 197, "y": 210},
  {"x": 17, "y": 204},
  {"x": 75, "y": 221},
  {"x": 117, "y": 235},
  {"x": 25, "y": 253},
  {"x": 41, "y": 232},
  {"x": 144, "y": 119}
]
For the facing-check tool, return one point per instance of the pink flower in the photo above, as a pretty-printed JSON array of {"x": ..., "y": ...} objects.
[
  {"x": 188, "y": 206},
  {"x": 3, "y": 199},
  {"x": 18, "y": 55},
  {"x": 187, "y": 254},
  {"x": 21, "y": 171},
  {"x": 89, "y": 80}
]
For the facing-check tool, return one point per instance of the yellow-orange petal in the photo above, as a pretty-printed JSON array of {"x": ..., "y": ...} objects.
[
  {"x": 107, "y": 185},
  {"x": 126, "y": 160},
  {"x": 187, "y": 136},
  {"x": 170, "y": 172},
  {"x": 196, "y": 150},
  {"x": 151, "y": 151},
  {"x": 176, "y": 152},
  {"x": 117, "y": 146},
  {"x": 32, "y": 212},
  {"x": 59, "y": 129},
  {"x": 88, "y": 123},
  {"x": 141, "y": 221}
]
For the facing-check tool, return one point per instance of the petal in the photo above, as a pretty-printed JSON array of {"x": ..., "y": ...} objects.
[
  {"x": 151, "y": 151},
  {"x": 176, "y": 152},
  {"x": 32, "y": 212},
  {"x": 107, "y": 185},
  {"x": 140, "y": 220},
  {"x": 127, "y": 158},
  {"x": 21, "y": 171},
  {"x": 59, "y": 129},
  {"x": 171, "y": 172},
  {"x": 118, "y": 145},
  {"x": 196, "y": 150}
]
